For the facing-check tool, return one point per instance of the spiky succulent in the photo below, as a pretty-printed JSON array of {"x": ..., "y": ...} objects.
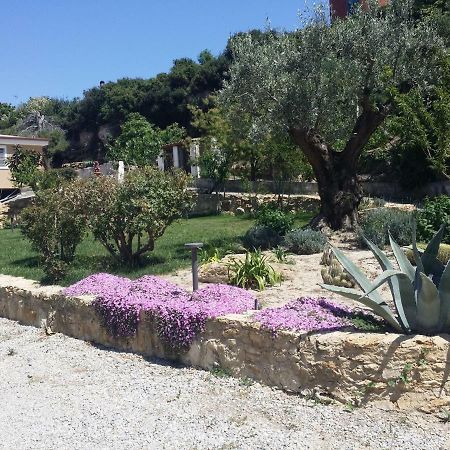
[
  {"x": 421, "y": 294},
  {"x": 333, "y": 272}
]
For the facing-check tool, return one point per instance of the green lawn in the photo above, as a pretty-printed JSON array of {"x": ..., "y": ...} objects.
[{"x": 18, "y": 258}]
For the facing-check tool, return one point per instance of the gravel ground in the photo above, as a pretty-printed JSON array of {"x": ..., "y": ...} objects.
[{"x": 59, "y": 392}]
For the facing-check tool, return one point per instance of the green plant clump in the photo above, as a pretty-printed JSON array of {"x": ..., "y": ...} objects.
[
  {"x": 305, "y": 242},
  {"x": 253, "y": 272},
  {"x": 376, "y": 225},
  {"x": 275, "y": 219},
  {"x": 261, "y": 237},
  {"x": 435, "y": 212},
  {"x": 421, "y": 294},
  {"x": 55, "y": 225}
]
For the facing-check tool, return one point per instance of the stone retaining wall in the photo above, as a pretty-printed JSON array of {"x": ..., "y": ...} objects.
[{"x": 404, "y": 371}]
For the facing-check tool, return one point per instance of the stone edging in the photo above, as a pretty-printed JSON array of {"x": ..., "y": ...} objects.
[{"x": 405, "y": 371}]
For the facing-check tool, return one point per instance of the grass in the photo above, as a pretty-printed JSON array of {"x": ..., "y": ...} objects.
[{"x": 17, "y": 258}]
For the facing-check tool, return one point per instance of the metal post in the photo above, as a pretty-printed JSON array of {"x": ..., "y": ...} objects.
[{"x": 194, "y": 246}]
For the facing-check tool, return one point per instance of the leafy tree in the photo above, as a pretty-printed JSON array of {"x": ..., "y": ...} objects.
[
  {"x": 128, "y": 217},
  {"x": 331, "y": 87},
  {"x": 24, "y": 166},
  {"x": 55, "y": 225},
  {"x": 140, "y": 142}
]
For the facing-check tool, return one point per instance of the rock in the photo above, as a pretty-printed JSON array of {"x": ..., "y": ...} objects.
[
  {"x": 214, "y": 272},
  {"x": 240, "y": 211}
]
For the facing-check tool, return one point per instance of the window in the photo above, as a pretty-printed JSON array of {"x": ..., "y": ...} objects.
[{"x": 3, "y": 156}]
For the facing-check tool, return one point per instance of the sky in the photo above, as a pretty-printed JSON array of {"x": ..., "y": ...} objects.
[{"x": 59, "y": 48}]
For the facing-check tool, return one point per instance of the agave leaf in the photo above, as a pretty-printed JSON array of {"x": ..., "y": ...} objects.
[
  {"x": 444, "y": 294},
  {"x": 429, "y": 258},
  {"x": 428, "y": 304},
  {"x": 417, "y": 256},
  {"x": 357, "y": 274},
  {"x": 382, "y": 309},
  {"x": 398, "y": 286},
  {"x": 402, "y": 260}
]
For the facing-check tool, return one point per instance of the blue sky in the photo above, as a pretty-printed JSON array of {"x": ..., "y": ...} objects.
[{"x": 61, "y": 47}]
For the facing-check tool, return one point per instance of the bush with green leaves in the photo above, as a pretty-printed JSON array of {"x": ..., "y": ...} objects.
[
  {"x": 304, "y": 241},
  {"x": 261, "y": 237},
  {"x": 24, "y": 166},
  {"x": 376, "y": 225},
  {"x": 434, "y": 213},
  {"x": 253, "y": 272},
  {"x": 421, "y": 294},
  {"x": 275, "y": 219},
  {"x": 140, "y": 142},
  {"x": 55, "y": 225},
  {"x": 128, "y": 217}
]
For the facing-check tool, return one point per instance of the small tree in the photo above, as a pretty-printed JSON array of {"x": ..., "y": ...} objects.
[
  {"x": 24, "y": 166},
  {"x": 140, "y": 142},
  {"x": 55, "y": 225},
  {"x": 330, "y": 88},
  {"x": 128, "y": 217}
]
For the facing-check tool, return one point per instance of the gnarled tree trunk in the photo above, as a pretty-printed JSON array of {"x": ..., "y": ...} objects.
[{"x": 335, "y": 171}]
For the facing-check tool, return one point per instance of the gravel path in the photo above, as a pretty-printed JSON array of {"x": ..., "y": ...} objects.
[{"x": 59, "y": 392}]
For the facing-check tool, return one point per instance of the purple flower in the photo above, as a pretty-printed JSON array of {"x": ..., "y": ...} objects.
[
  {"x": 305, "y": 314},
  {"x": 179, "y": 316}
]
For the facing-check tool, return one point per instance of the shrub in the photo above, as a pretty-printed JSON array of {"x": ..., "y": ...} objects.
[
  {"x": 275, "y": 219},
  {"x": 435, "y": 212},
  {"x": 253, "y": 272},
  {"x": 261, "y": 237},
  {"x": 378, "y": 223},
  {"x": 305, "y": 242},
  {"x": 55, "y": 225},
  {"x": 178, "y": 316},
  {"x": 128, "y": 217},
  {"x": 371, "y": 202}
]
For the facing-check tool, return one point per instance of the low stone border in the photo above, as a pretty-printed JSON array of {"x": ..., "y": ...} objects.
[{"x": 350, "y": 367}]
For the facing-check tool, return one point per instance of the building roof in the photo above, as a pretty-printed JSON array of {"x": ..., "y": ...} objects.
[{"x": 26, "y": 140}]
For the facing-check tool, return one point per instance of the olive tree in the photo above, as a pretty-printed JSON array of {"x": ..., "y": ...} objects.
[{"x": 331, "y": 86}]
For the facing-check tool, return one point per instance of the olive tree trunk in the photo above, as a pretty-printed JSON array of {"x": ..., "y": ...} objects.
[{"x": 339, "y": 190}]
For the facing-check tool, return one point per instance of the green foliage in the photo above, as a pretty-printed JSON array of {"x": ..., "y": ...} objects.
[
  {"x": 261, "y": 237},
  {"x": 275, "y": 219},
  {"x": 55, "y": 225},
  {"x": 376, "y": 225},
  {"x": 281, "y": 255},
  {"x": 253, "y": 272},
  {"x": 443, "y": 253},
  {"x": 323, "y": 77},
  {"x": 24, "y": 166},
  {"x": 53, "y": 178},
  {"x": 371, "y": 202},
  {"x": 333, "y": 272},
  {"x": 210, "y": 255},
  {"x": 127, "y": 218},
  {"x": 305, "y": 241},
  {"x": 140, "y": 143},
  {"x": 434, "y": 213},
  {"x": 421, "y": 295}
]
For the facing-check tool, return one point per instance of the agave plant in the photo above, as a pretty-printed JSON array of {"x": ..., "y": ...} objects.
[{"x": 421, "y": 294}]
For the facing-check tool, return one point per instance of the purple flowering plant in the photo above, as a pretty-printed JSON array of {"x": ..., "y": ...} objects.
[
  {"x": 179, "y": 316},
  {"x": 315, "y": 314}
]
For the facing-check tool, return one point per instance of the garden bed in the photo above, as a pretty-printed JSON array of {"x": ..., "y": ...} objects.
[{"x": 350, "y": 367}]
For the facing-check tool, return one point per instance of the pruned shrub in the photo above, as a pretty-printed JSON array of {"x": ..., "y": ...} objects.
[
  {"x": 127, "y": 218},
  {"x": 55, "y": 225},
  {"x": 261, "y": 237},
  {"x": 305, "y": 241},
  {"x": 275, "y": 219},
  {"x": 434, "y": 213},
  {"x": 376, "y": 225}
]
